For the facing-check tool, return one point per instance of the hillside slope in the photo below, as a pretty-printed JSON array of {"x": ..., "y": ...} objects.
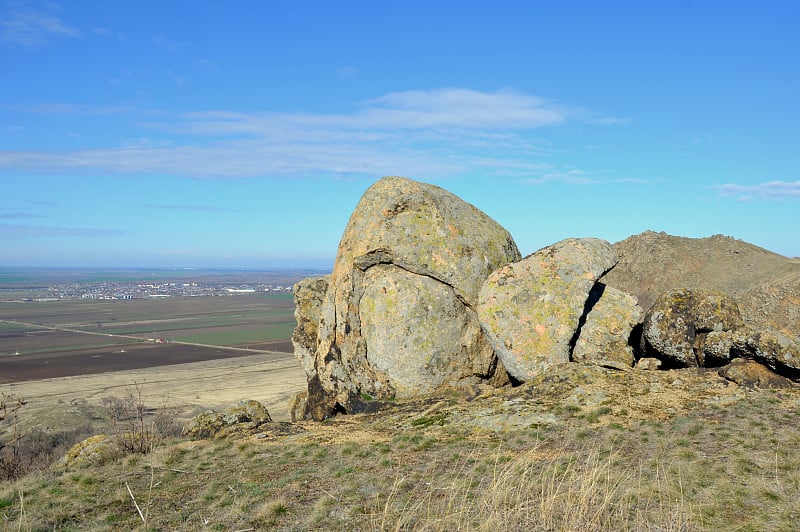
[{"x": 765, "y": 285}]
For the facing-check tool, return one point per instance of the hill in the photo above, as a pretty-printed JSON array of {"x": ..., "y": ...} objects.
[
  {"x": 578, "y": 448},
  {"x": 764, "y": 284}
]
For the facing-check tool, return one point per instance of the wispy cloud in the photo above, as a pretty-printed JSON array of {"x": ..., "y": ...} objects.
[
  {"x": 775, "y": 190},
  {"x": 441, "y": 132},
  {"x": 71, "y": 109},
  {"x": 168, "y": 44},
  {"x": 9, "y": 214},
  {"x": 204, "y": 65},
  {"x": 192, "y": 208},
  {"x": 572, "y": 177},
  {"x": 32, "y": 28},
  {"x": 16, "y": 232}
]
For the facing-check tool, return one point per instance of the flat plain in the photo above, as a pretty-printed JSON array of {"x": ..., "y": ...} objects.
[{"x": 61, "y": 338}]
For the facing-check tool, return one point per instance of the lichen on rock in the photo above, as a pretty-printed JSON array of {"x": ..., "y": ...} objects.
[
  {"x": 404, "y": 242},
  {"x": 531, "y": 309}
]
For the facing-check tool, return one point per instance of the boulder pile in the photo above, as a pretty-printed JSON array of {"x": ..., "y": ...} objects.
[{"x": 428, "y": 292}]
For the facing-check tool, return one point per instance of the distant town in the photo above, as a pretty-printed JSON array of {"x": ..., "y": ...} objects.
[
  {"x": 158, "y": 285},
  {"x": 154, "y": 290}
]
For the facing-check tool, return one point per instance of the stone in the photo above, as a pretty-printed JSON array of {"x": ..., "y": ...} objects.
[
  {"x": 648, "y": 364},
  {"x": 93, "y": 451},
  {"x": 298, "y": 407},
  {"x": 248, "y": 414},
  {"x": 248, "y": 411},
  {"x": 435, "y": 325},
  {"x": 746, "y": 372},
  {"x": 531, "y": 309},
  {"x": 769, "y": 348},
  {"x": 411, "y": 254},
  {"x": 308, "y": 297},
  {"x": 605, "y": 337},
  {"x": 676, "y": 326},
  {"x": 204, "y": 425}
]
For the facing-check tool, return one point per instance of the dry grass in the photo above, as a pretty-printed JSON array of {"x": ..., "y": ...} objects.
[{"x": 709, "y": 467}]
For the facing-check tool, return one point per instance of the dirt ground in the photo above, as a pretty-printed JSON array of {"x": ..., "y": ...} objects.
[{"x": 272, "y": 378}]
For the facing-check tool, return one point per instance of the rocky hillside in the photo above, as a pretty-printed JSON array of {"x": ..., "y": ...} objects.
[
  {"x": 428, "y": 292},
  {"x": 765, "y": 285}
]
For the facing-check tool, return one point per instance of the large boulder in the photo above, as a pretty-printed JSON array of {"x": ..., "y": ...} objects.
[
  {"x": 677, "y": 325},
  {"x": 746, "y": 372},
  {"x": 398, "y": 317},
  {"x": 605, "y": 337},
  {"x": 308, "y": 297},
  {"x": 769, "y": 348},
  {"x": 531, "y": 310}
]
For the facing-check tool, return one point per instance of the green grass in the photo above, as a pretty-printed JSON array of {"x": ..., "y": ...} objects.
[
  {"x": 405, "y": 469},
  {"x": 266, "y": 333}
]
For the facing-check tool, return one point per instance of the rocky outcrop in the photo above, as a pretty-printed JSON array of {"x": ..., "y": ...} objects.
[
  {"x": 765, "y": 285},
  {"x": 244, "y": 414},
  {"x": 652, "y": 263},
  {"x": 308, "y": 297},
  {"x": 399, "y": 314},
  {"x": 428, "y": 292},
  {"x": 676, "y": 326},
  {"x": 531, "y": 310},
  {"x": 605, "y": 338},
  {"x": 769, "y": 348},
  {"x": 93, "y": 451}
]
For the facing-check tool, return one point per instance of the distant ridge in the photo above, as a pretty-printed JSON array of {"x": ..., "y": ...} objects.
[{"x": 766, "y": 285}]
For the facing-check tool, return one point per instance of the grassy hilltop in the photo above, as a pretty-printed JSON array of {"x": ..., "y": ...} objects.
[{"x": 592, "y": 450}]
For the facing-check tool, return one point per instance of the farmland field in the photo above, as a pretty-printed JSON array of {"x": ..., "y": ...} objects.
[{"x": 58, "y": 338}]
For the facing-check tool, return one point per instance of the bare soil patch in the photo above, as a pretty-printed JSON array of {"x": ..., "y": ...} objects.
[
  {"x": 272, "y": 378},
  {"x": 106, "y": 359}
]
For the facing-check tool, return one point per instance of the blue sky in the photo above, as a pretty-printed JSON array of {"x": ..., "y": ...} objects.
[{"x": 242, "y": 134}]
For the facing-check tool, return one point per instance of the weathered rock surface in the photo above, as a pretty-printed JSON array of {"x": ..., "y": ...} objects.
[
  {"x": 308, "y": 297},
  {"x": 765, "y": 285},
  {"x": 531, "y": 309},
  {"x": 433, "y": 324},
  {"x": 771, "y": 349},
  {"x": 676, "y": 326},
  {"x": 92, "y": 451},
  {"x": 209, "y": 424},
  {"x": 605, "y": 337},
  {"x": 652, "y": 263},
  {"x": 410, "y": 252},
  {"x": 746, "y": 372}
]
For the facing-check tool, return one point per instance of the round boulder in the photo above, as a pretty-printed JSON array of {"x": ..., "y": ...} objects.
[
  {"x": 531, "y": 309},
  {"x": 676, "y": 326},
  {"x": 410, "y": 251}
]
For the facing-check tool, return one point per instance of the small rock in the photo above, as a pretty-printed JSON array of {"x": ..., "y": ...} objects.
[{"x": 648, "y": 364}]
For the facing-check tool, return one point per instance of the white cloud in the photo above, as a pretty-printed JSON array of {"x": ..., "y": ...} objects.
[
  {"x": 31, "y": 28},
  {"x": 440, "y": 133},
  {"x": 71, "y": 109},
  {"x": 204, "y": 65},
  {"x": 770, "y": 190},
  {"x": 571, "y": 177},
  {"x": 18, "y": 232}
]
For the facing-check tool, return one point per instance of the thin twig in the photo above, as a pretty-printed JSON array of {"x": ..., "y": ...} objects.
[{"x": 134, "y": 502}]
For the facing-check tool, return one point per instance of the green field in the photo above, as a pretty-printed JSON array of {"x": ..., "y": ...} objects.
[{"x": 217, "y": 321}]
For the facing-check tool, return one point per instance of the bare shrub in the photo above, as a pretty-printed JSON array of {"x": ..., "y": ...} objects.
[
  {"x": 137, "y": 427},
  {"x": 33, "y": 449}
]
